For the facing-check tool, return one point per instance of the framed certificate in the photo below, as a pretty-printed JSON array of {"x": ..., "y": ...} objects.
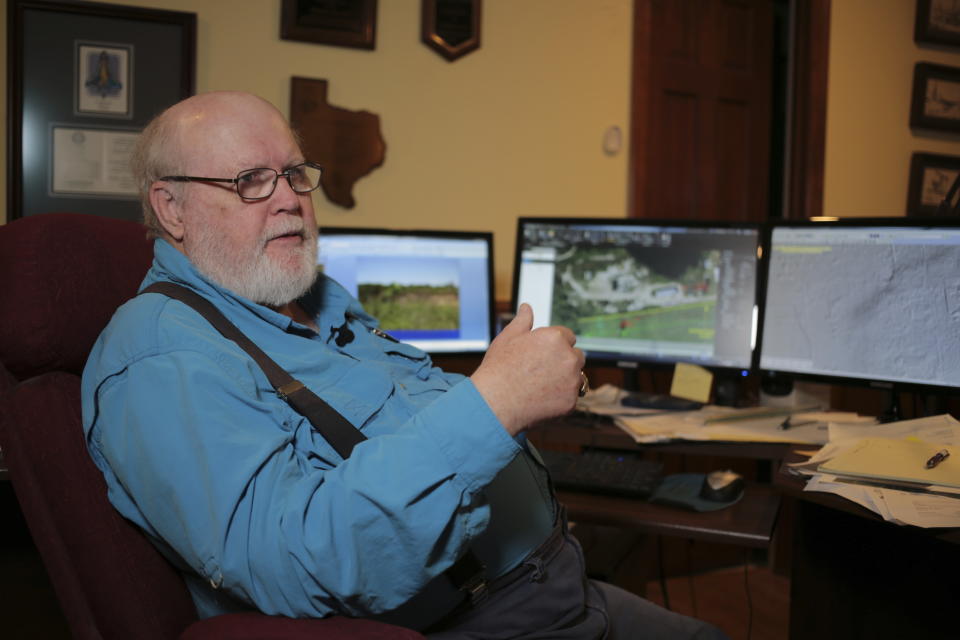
[
  {"x": 84, "y": 79},
  {"x": 91, "y": 162}
]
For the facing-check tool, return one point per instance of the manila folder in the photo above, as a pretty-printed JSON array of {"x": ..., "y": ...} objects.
[{"x": 901, "y": 460}]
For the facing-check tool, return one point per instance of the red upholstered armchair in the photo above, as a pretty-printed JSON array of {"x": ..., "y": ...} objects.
[{"x": 63, "y": 276}]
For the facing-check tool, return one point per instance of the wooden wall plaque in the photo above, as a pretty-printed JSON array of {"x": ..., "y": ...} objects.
[
  {"x": 347, "y": 144},
  {"x": 451, "y": 27}
]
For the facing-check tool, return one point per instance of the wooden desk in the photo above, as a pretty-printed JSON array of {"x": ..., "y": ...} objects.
[
  {"x": 748, "y": 523},
  {"x": 564, "y": 433},
  {"x": 858, "y": 576}
]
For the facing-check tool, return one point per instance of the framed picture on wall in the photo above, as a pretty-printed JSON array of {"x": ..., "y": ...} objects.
[
  {"x": 931, "y": 177},
  {"x": 346, "y": 23},
  {"x": 935, "y": 102},
  {"x": 85, "y": 78},
  {"x": 103, "y": 82},
  {"x": 937, "y": 22}
]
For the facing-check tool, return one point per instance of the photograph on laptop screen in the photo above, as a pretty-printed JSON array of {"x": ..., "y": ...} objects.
[
  {"x": 432, "y": 289},
  {"x": 418, "y": 298}
]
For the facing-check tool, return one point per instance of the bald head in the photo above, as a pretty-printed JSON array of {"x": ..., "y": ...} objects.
[{"x": 193, "y": 130}]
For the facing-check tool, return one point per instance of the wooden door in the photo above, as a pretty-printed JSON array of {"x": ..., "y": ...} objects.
[{"x": 702, "y": 93}]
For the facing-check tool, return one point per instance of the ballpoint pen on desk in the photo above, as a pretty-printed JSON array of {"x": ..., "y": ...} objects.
[
  {"x": 787, "y": 423},
  {"x": 937, "y": 458}
]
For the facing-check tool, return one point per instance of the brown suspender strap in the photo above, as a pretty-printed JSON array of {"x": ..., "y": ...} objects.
[
  {"x": 336, "y": 429},
  {"x": 467, "y": 573}
]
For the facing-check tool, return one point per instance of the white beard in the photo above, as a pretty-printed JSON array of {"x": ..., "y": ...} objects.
[{"x": 253, "y": 274}]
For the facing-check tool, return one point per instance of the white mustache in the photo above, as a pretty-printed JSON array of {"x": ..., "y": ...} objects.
[{"x": 290, "y": 228}]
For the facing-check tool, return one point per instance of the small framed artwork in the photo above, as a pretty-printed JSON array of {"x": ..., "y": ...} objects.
[
  {"x": 931, "y": 178},
  {"x": 84, "y": 79},
  {"x": 103, "y": 78},
  {"x": 938, "y": 22},
  {"x": 935, "y": 103},
  {"x": 342, "y": 23}
]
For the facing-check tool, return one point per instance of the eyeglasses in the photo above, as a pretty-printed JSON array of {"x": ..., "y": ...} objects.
[{"x": 259, "y": 183}]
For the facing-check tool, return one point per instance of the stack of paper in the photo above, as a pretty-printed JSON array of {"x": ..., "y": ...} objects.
[
  {"x": 883, "y": 468},
  {"x": 753, "y": 424},
  {"x": 896, "y": 460}
]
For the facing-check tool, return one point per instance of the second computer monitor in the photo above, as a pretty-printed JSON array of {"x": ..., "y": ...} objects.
[
  {"x": 864, "y": 301},
  {"x": 432, "y": 289},
  {"x": 634, "y": 290}
]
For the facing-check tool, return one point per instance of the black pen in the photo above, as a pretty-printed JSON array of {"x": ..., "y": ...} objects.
[
  {"x": 786, "y": 424},
  {"x": 937, "y": 458}
]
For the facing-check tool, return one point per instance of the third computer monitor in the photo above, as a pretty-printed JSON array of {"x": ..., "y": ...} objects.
[
  {"x": 635, "y": 291},
  {"x": 864, "y": 301},
  {"x": 430, "y": 288}
]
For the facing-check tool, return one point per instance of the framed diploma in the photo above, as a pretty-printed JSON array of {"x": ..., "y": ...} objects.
[
  {"x": 91, "y": 162},
  {"x": 84, "y": 79}
]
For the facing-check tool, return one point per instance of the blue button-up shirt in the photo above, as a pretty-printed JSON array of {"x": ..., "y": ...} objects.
[{"x": 198, "y": 450}]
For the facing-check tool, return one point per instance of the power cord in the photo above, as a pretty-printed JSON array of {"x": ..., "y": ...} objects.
[
  {"x": 693, "y": 588},
  {"x": 746, "y": 586},
  {"x": 663, "y": 577}
]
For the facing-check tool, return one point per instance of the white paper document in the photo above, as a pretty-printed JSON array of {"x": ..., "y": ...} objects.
[
  {"x": 932, "y": 505},
  {"x": 93, "y": 162},
  {"x": 723, "y": 424}
]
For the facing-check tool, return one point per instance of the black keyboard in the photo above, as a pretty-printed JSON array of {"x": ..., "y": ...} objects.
[{"x": 606, "y": 471}]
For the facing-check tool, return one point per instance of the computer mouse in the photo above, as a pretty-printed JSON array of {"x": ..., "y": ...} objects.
[{"x": 722, "y": 486}]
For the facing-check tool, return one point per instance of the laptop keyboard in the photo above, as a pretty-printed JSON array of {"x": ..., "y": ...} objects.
[{"x": 604, "y": 471}]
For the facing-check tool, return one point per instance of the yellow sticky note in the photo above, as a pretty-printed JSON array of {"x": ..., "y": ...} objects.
[{"x": 691, "y": 382}]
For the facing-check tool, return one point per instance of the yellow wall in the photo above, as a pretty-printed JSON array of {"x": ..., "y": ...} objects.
[
  {"x": 869, "y": 141},
  {"x": 513, "y": 128}
]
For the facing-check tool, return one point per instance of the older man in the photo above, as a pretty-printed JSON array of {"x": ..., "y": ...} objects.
[{"x": 252, "y": 503}]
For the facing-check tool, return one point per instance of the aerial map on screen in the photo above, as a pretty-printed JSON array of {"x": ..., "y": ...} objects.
[
  {"x": 634, "y": 293},
  {"x": 876, "y": 304}
]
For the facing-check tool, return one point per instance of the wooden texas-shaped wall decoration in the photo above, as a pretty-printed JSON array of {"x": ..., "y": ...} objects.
[{"x": 347, "y": 144}]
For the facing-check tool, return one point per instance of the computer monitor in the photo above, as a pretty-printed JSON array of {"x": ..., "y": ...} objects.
[
  {"x": 639, "y": 291},
  {"x": 432, "y": 289},
  {"x": 864, "y": 301}
]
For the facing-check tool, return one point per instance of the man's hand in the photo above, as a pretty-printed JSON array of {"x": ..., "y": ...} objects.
[{"x": 529, "y": 375}]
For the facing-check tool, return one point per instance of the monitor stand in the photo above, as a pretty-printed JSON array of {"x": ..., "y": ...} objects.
[
  {"x": 932, "y": 405},
  {"x": 652, "y": 400},
  {"x": 726, "y": 388},
  {"x": 892, "y": 413}
]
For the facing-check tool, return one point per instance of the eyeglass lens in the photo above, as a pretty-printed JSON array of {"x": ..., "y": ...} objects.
[{"x": 260, "y": 183}]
